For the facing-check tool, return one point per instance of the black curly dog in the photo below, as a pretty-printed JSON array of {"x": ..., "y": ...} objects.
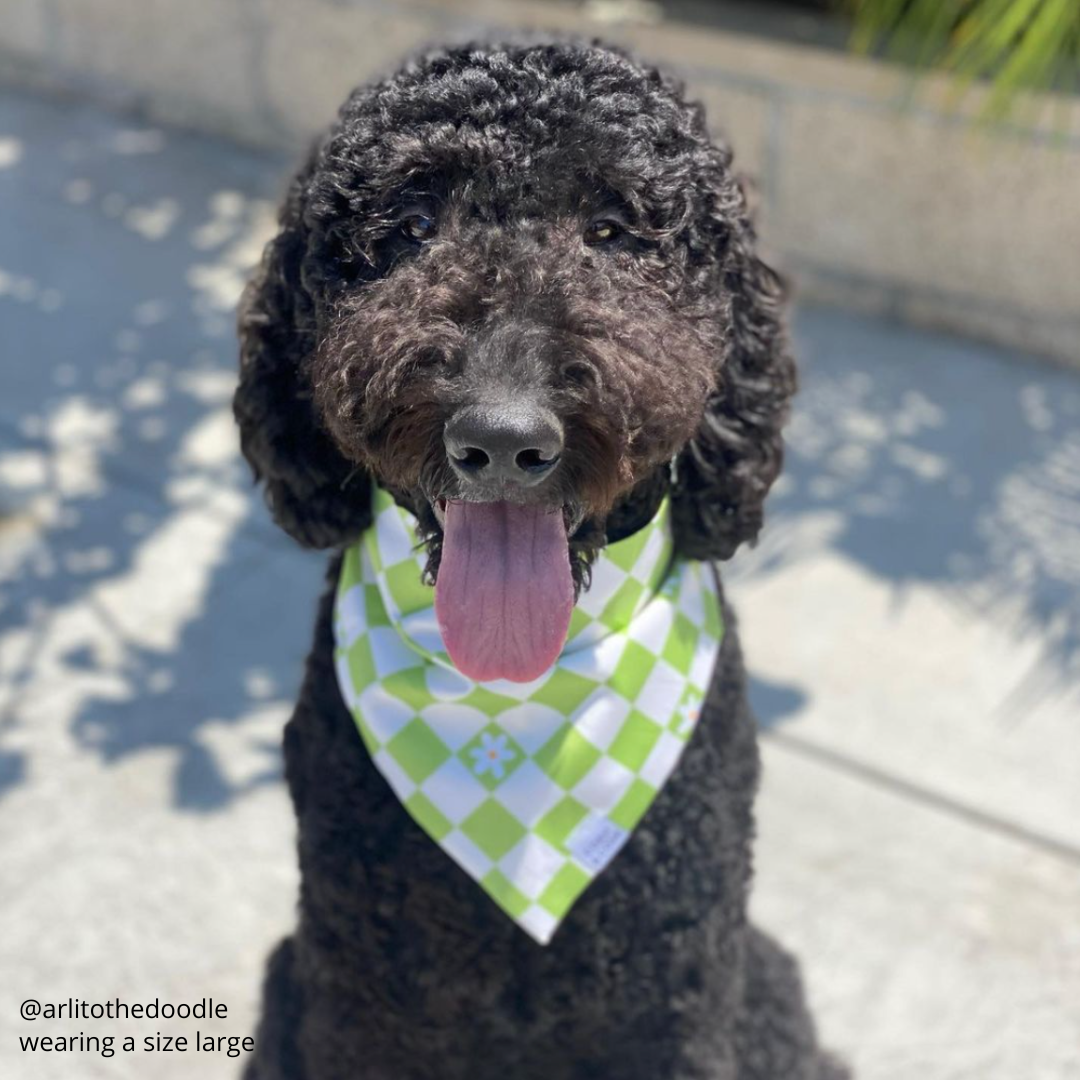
[{"x": 521, "y": 272}]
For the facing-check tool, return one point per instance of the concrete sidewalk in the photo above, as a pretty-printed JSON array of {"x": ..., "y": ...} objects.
[{"x": 911, "y": 619}]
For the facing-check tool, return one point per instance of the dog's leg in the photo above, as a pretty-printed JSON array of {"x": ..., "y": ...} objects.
[
  {"x": 276, "y": 1056},
  {"x": 775, "y": 1035}
]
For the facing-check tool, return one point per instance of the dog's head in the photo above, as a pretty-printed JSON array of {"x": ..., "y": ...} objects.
[{"x": 516, "y": 285}]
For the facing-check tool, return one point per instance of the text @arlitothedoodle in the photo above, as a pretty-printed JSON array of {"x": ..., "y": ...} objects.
[{"x": 91, "y": 1017}]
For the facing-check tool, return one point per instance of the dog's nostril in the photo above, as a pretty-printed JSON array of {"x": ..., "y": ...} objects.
[
  {"x": 472, "y": 458},
  {"x": 534, "y": 460}
]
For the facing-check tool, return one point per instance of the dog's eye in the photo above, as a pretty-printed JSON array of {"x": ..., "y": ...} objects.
[
  {"x": 602, "y": 232},
  {"x": 419, "y": 227}
]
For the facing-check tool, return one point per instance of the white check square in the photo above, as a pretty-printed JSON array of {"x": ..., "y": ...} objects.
[
  {"x": 705, "y": 656},
  {"x": 396, "y": 776},
  {"x": 454, "y": 790},
  {"x": 531, "y": 725},
  {"x": 604, "y": 785},
  {"x": 606, "y": 580},
  {"x": 651, "y": 627},
  {"x": 389, "y": 652},
  {"x": 539, "y": 923},
  {"x": 456, "y": 724},
  {"x": 351, "y": 616},
  {"x": 467, "y": 855},
  {"x": 531, "y": 864},
  {"x": 529, "y": 793},
  {"x": 385, "y": 714},
  {"x": 663, "y": 757},
  {"x": 600, "y": 716},
  {"x": 660, "y": 693}
]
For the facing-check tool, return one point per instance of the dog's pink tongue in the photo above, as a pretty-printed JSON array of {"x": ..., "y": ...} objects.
[{"x": 504, "y": 594}]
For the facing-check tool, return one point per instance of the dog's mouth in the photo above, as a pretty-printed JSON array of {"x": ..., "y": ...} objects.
[{"x": 505, "y": 592}]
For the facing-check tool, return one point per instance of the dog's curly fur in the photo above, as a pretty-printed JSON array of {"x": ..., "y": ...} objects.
[{"x": 663, "y": 354}]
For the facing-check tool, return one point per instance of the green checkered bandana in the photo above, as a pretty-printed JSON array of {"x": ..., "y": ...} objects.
[{"x": 532, "y": 788}]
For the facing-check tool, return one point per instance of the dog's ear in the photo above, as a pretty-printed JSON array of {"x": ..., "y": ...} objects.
[
  {"x": 313, "y": 492},
  {"x": 724, "y": 473}
]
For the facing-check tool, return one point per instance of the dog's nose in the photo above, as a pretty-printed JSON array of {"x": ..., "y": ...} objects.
[{"x": 515, "y": 442}]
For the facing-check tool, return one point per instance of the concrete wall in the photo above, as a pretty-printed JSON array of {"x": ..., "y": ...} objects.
[{"x": 914, "y": 212}]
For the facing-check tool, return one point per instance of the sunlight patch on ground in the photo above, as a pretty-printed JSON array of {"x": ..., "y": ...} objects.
[
  {"x": 11, "y": 152},
  {"x": 155, "y": 221},
  {"x": 239, "y": 229}
]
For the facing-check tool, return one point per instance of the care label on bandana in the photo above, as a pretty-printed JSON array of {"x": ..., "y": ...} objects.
[{"x": 532, "y": 788}]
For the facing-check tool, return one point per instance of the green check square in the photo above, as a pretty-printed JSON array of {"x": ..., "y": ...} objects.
[
  {"x": 374, "y": 609},
  {"x": 567, "y": 756},
  {"x": 410, "y": 685},
  {"x": 560, "y": 821},
  {"x": 714, "y": 619},
  {"x": 563, "y": 889},
  {"x": 361, "y": 664},
  {"x": 350, "y": 571},
  {"x": 428, "y": 816},
  {"x": 660, "y": 572},
  {"x": 680, "y": 644},
  {"x": 579, "y": 619},
  {"x": 488, "y": 702},
  {"x": 410, "y": 593},
  {"x": 564, "y": 691},
  {"x": 620, "y": 607},
  {"x": 500, "y": 889},
  {"x": 372, "y": 546},
  {"x": 633, "y": 669},
  {"x": 418, "y": 750},
  {"x": 367, "y": 734},
  {"x": 632, "y": 806},
  {"x": 636, "y": 738},
  {"x": 624, "y": 553},
  {"x": 493, "y": 829}
]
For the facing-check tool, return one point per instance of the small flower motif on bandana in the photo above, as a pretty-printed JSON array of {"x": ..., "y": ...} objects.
[
  {"x": 686, "y": 718},
  {"x": 489, "y": 756}
]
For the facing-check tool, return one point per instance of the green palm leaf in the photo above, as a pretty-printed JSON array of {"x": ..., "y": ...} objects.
[{"x": 1015, "y": 45}]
